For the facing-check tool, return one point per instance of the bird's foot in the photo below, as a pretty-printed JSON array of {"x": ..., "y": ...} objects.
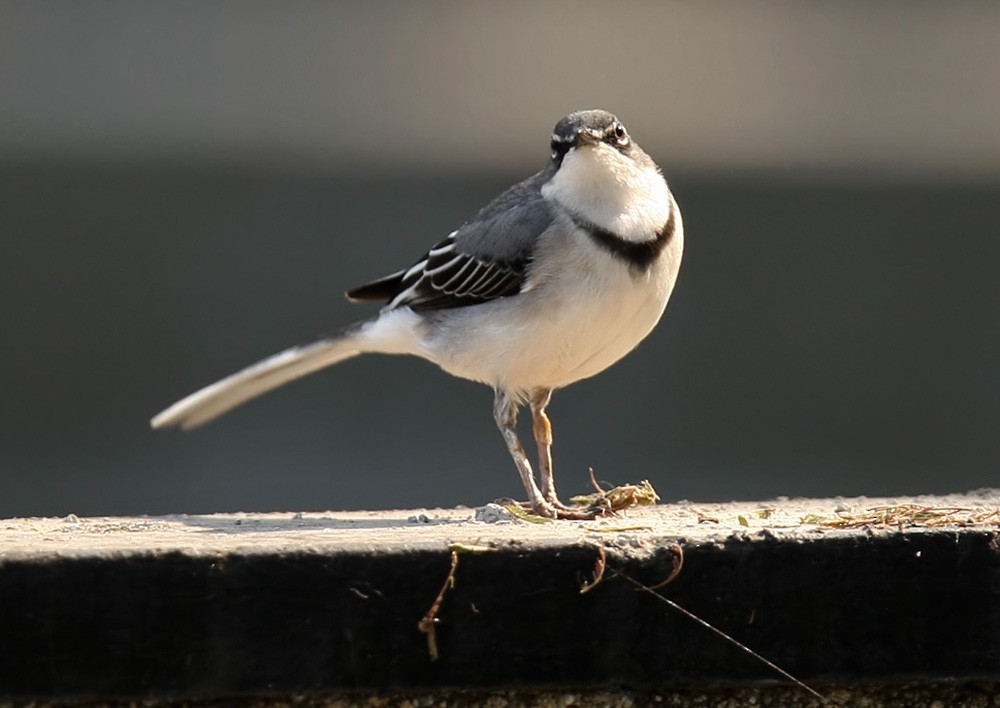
[
  {"x": 580, "y": 513},
  {"x": 555, "y": 509}
]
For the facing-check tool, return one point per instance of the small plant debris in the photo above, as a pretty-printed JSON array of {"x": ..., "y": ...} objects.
[
  {"x": 704, "y": 517},
  {"x": 517, "y": 511},
  {"x": 901, "y": 515},
  {"x": 617, "y": 529},
  {"x": 599, "y": 567},
  {"x": 428, "y": 624},
  {"x": 677, "y": 559},
  {"x": 617, "y": 499}
]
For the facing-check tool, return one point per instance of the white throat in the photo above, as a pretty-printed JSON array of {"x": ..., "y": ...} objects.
[{"x": 610, "y": 190}]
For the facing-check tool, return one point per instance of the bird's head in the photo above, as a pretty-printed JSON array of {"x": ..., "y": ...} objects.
[
  {"x": 599, "y": 171},
  {"x": 589, "y": 128}
]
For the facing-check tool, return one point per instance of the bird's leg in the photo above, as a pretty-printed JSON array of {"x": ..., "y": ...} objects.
[
  {"x": 505, "y": 414},
  {"x": 543, "y": 438}
]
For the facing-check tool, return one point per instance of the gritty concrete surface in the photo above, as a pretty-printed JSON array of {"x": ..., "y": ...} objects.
[{"x": 428, "y": 529}]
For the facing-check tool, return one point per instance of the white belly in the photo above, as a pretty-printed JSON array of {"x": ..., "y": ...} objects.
[{"x": 583, "y": 314}]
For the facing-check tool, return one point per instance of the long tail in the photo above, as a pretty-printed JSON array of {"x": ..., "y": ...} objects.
[{"x": 222, "y": 396}]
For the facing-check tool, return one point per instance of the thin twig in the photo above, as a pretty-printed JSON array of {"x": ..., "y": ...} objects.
[
  {"x": 678, "y": 554},
  {"x": 428, "y": 625},
  {"x": 599, "y": 567}
]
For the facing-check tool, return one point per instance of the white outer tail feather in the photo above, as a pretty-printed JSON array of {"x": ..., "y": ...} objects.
[{"x": 212, "y": 401}]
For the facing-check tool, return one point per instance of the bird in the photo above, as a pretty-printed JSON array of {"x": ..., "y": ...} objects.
[{"x": 551, "y": 282}]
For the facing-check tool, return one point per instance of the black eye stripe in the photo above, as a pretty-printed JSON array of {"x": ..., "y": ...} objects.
[{"x": 614, "y": 135}]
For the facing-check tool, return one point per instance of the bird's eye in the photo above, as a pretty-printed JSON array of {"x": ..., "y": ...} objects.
[{"x": 621, "y": 137}]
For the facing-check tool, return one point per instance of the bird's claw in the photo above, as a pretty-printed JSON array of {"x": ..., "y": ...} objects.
[{"x": 557, "y": 510}]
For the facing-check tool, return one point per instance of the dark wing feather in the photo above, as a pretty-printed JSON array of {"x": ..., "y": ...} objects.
[
  {"x": 485, "y": 259},
  {"x": 381, "y": 289},
  {"x": 448, "y": 277}
]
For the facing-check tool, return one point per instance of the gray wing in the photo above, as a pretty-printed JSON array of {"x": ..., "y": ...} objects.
[{"x": 486, "y": 259}]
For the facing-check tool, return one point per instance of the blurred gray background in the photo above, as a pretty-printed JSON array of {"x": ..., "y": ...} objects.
[{"x": 187, "y": 187}]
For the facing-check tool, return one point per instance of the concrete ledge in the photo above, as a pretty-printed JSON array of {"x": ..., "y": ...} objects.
[{"x": 265, "y": 604}]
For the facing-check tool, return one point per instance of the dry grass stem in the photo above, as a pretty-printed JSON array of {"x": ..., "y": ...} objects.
[{"x": 901, "y": 515}]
